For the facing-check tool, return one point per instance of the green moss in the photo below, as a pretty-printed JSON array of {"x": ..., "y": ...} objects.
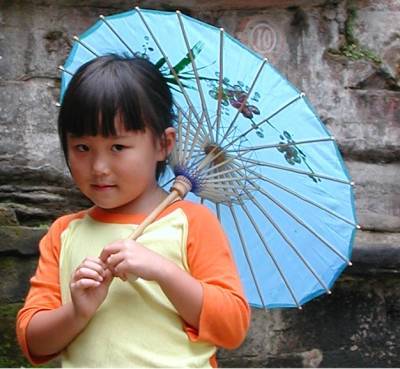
[
  {"x": 351, "y": 47},
  {"x": 10, "y": 354},
  {"x": 9, "y": 310},
  {"x": 6, "y": 265}
]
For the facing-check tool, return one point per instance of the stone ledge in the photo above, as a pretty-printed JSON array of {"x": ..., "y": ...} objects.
[
  {"x": 372, "y": 251},
  {"x": 18, "y": 240}
]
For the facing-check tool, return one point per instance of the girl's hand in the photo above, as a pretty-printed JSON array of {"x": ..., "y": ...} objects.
[
  {"x": 89, "y": 287},
  {"x": 129, "y": 257}
]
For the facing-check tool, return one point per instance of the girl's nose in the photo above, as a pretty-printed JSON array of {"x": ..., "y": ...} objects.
[{"x": 100, "y": 165}]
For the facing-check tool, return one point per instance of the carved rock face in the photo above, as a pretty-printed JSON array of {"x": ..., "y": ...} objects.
[{"x": 358, "y": 99}]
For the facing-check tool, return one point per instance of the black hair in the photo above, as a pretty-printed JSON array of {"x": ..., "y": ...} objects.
[{"x": 110, "y": 85}]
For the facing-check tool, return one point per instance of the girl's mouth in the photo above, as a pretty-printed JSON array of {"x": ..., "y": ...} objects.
[{"x": 101, "y": 187}]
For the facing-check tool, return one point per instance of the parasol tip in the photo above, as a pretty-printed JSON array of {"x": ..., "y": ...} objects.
[
  {"x": 57, "y": 104},
  {"x": 350, "y": 263},
  {"x": 329, "y": 292},
  {"x": 76, "y": 38},
  {"x": 101, "y": 16},
  {"x": 352, "y": 184},
  {"x": 302, "y": 94},
  {"x": 60, "y": 67},
  {"x": 178, "y": 12},
  {"x": 300, "y": 307},
  {"x": 222, "y": 29},
  {"x": 358, "y": 226},
  {"x": 137, "y": 8}
]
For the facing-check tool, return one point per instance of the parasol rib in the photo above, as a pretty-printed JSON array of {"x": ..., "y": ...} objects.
[
  {"x": 298, "y": 220},
  {"x": 186, "y": 143},
  {"x": 286, "y": 189},
  {"x": 196, "y": 75},
  {"x": 103, "y": 18},
  {"x": 291, "y": 143},
  {"x": 227, "y": 179},
  {"x": 218, "y": 194},
  {"x": 195, "y": 140},
  {"x": 287, "y": 240},
  {"x": 245, "y": 251},
  {"x": 179, "y": 139},
  {"x": 188, "y": 117},
  {"x": 229, "y": 144},
  {"x": 220, "y": 79},
  {"x": 281, "y": 167},
  {"x": 62, "y": 69},
  {"x": 218, "y": 211},
  {"x": 258, "y": 125},
  {"x": 246, "y": 254},
  {"x": 232, "y": 170},
  {"x": 170, "y": 66},
  {"x": 76, "y": 38},
  {"x": 259, "y": 233},
  {"x": 243, "y": 104}
]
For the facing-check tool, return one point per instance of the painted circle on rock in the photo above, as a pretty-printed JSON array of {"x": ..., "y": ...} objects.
[{"x": 263, "y": 38}]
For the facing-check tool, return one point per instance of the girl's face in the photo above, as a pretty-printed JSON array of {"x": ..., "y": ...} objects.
[{"x": 117, "y": 173}]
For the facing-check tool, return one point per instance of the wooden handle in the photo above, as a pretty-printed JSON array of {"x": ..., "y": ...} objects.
[
  {"x": 179, "y": 189},
  {"x": 153, "y": 215}
]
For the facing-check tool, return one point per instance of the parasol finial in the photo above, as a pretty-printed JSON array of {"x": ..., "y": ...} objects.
[{"x": 182, "y": 185}]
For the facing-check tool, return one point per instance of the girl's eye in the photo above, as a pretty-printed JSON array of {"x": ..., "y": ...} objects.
[
  {"x": 82, "y": 148},
  {"x": 117, "y": 148}
]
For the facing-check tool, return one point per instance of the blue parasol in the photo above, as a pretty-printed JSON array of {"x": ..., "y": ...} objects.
[{"x": 250, "y": 147}]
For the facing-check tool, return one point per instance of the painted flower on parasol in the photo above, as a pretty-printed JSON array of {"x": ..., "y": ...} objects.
[{"x": 249, "y": 146}]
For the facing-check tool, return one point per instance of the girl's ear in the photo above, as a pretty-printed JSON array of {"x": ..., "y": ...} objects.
[{"x": 167, "y": 142}]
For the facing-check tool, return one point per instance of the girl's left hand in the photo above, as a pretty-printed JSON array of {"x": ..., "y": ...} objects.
[{"x": 129, "y": 257}]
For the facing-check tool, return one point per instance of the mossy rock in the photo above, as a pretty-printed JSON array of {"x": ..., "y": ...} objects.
[
  {"x": 10, "y": 353},
  {"x": 15, "y": 274}
]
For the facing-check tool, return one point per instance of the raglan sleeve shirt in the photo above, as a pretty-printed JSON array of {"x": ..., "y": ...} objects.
[{"x": 225, "y": 314}]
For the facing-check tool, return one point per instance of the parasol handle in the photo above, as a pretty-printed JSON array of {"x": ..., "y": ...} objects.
[{"x": 179, "y": 190}]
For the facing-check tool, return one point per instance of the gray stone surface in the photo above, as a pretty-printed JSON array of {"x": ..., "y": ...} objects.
[{"x": 344, "y": 54}]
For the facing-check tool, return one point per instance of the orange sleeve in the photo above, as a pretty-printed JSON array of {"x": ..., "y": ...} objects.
[
  {"x": 44, "y": 292},
  {"x": 225, "y": 314}
]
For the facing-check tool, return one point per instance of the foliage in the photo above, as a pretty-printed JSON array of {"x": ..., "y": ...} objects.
[{"x": 351, "y": 48}]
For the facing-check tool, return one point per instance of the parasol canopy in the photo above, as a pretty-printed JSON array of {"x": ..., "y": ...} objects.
[{"x": 250, "y": 147}]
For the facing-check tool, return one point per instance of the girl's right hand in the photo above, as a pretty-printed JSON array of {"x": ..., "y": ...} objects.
[{"x": 89, "y": 287}]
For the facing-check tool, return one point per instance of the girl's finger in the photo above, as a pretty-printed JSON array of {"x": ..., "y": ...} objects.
[
  {"x": 115, "y": 259},
  {"x": 87, "y": 273},
  {"x": 121, "y": 270},
  {"x": 85, "y": 284},
  {"x": 98, "y": 266},
  {"x": 110, "y": 249},
  {"x": 94, "y": 261}
]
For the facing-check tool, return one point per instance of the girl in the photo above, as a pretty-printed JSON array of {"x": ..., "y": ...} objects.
[{"x": 115, "y": 127}]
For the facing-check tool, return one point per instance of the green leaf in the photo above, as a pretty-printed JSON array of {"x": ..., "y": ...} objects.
[
  {"x": 186, "y": 60},
  {"x": 160, "y": 63}
]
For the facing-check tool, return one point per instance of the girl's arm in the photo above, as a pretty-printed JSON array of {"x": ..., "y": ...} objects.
[
  {"x": 184, "y": 292},
  {"x": 225, "y": 313},
  {"x": 50, "y": 331}
]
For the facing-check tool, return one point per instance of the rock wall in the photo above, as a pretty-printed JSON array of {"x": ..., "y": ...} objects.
[{"x": 344, "y": 54}]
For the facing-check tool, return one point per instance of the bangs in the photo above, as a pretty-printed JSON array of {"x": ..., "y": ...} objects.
[{"x": 90, "y": 107}]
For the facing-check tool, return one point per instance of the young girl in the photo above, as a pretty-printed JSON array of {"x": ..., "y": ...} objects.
[{"x": 115, "y": 127}]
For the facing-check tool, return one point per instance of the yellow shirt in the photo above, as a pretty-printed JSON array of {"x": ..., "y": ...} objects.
[{"x": 137, "y": 326}]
